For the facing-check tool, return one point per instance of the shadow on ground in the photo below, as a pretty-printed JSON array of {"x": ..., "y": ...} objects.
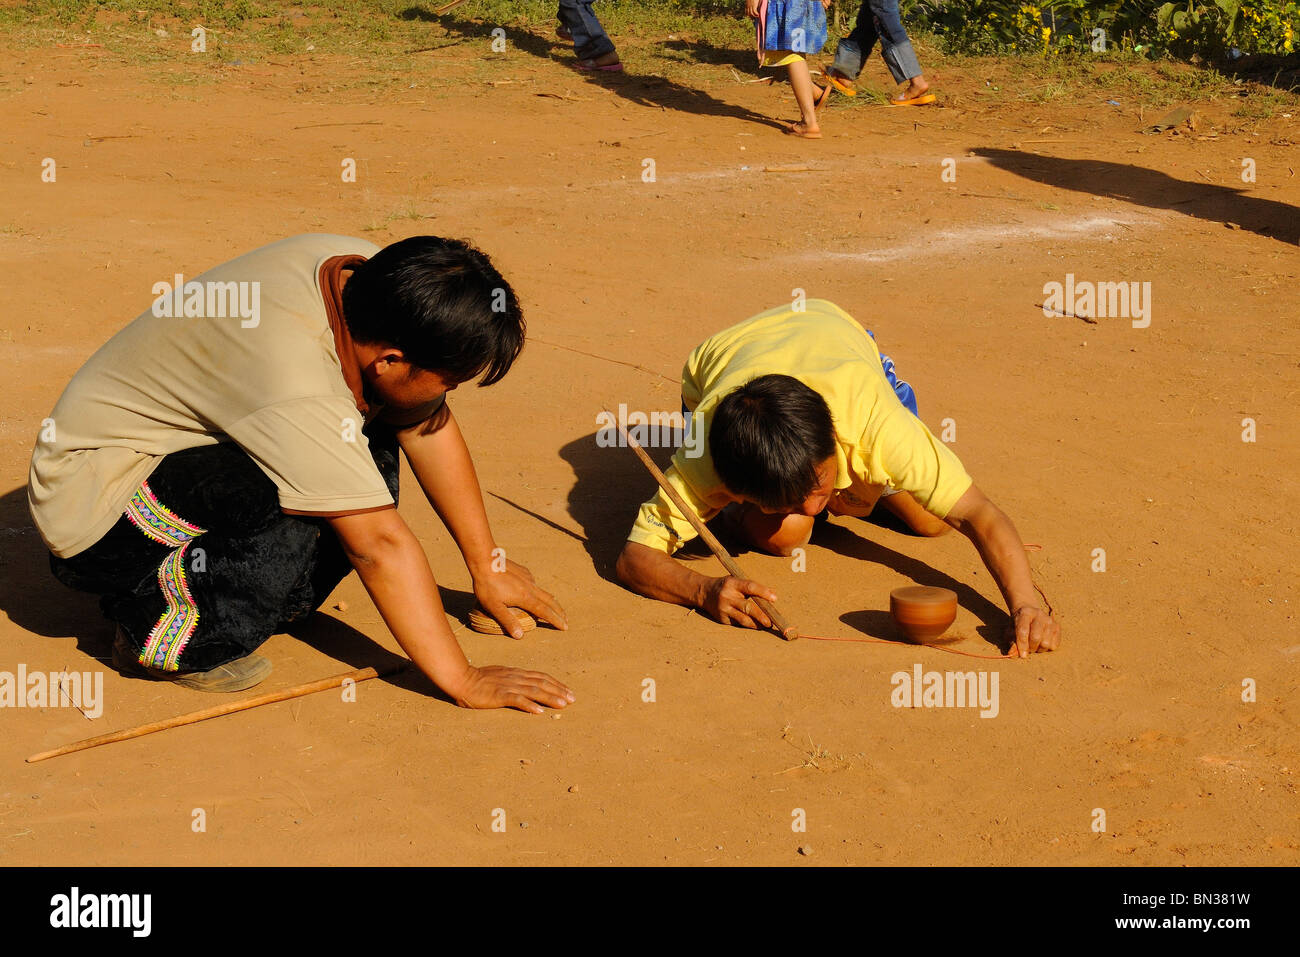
[
  {"x": 1155, "y": 190},
  {"x": 609, "y": 486},
  {"x": 655, "y": 92},
  {"x": 1282, "y": 72},
  {"x": 693, "y": 52},
  {"x": 29, "y": 593}
]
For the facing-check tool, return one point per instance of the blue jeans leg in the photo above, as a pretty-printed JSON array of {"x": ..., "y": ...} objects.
[
  {"x": 852, "y": 51},
  {"x": 901, "y": 389},
  {"x": 589, "y": 38},
  {"x": 878, "y": 20}
]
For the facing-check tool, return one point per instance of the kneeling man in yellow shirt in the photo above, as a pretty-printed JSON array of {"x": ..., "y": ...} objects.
[{"x": 799, "y": 414}]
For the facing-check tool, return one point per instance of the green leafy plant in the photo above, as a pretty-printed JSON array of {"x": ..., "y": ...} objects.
[{"x": 1211, "y": 28}]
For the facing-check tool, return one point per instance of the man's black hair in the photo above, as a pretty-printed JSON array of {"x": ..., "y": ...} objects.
[
  {"x": 767, "y": 439},
  {"x": 441, "y": 302}
]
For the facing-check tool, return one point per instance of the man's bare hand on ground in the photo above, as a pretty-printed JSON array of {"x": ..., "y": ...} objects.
[
  {"x": 1032, "y": 630},
  {"x": 514, "y": 586},
  {"x": 730, "y": 600},
  {"x": 496, "y": 686}
]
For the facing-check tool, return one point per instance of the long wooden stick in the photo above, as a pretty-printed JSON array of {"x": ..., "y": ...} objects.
[
  {"x": 779, "y": 624},
  {"x": 297, "y": 691}
]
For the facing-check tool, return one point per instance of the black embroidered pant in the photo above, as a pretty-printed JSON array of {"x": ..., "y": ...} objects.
[{"x": 203, "y": 566}]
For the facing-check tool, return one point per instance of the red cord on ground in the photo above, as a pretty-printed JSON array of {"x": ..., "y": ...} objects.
[{"x": 882, "y": 641}]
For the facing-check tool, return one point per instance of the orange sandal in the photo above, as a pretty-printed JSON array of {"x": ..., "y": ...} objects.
[
  {"x": 925, "y": 99},
  {"x": 840, "y": 82}
]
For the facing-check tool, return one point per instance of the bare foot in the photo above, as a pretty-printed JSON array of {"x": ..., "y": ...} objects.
[
  {"x": 809, "y": 131},
  {"x": 916, "y": 88},
  {"x": 606, "y": 62}
]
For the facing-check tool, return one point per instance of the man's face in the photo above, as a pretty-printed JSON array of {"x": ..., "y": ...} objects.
[
  {"x": 401, "y": 385},
  {"x": 817, "y": 499}
]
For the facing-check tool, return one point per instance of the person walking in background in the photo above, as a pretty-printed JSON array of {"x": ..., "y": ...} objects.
[
  {"x": 592, "y": 46},
  {"x": 880, "y": 20},
  {"x": 788, "y": 30}
]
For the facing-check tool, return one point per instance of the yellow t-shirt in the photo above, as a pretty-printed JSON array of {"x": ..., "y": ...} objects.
[
  {"x": 878, "y": 442},
  {"x": 272, "y": 384}
]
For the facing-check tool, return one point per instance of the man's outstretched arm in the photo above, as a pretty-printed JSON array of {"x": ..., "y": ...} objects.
[
  {"x": 988, "y": 527},
  {"x": 440, "y": 460},
  {"x": 655, "y": 574},
  {"x": 396, "y": 573}
]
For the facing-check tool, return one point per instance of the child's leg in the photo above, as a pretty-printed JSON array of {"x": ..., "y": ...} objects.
[
  {"x": 852, "y": 51},
  {"x": 917, "y": 518},
  {"x": 801, "y": 81},
  {"x": 774, "y": 534},
  {"x": 590, "y": 41},
  {"x": 896, "y": 48}
]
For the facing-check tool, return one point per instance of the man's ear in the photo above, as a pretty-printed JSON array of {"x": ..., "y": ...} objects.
[{"x": 386, "y": 360}]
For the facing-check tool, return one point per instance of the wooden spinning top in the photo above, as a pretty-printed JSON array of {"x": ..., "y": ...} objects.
[
  {"x": 485, "y": 624},
  {"x": 924, "y": 613}
]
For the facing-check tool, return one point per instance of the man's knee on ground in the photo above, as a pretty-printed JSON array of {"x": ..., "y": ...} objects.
[
  {"x": 793, "y": 531},
  {"x": 929, "y": 526}
]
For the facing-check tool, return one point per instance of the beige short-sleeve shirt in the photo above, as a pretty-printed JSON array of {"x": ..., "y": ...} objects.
[{"x": 252, "y": 363}]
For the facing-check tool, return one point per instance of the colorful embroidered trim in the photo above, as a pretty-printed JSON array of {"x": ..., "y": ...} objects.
[
  {"x": 173, "y": 631},
  {"x": 158, "y": 521}
]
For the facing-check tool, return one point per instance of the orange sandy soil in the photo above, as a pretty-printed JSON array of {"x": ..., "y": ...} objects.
[{"x": 1089, "y": 436}]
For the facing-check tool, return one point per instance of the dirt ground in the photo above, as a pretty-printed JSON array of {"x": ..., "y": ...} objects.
[{"x": 1089, "y": 435}]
